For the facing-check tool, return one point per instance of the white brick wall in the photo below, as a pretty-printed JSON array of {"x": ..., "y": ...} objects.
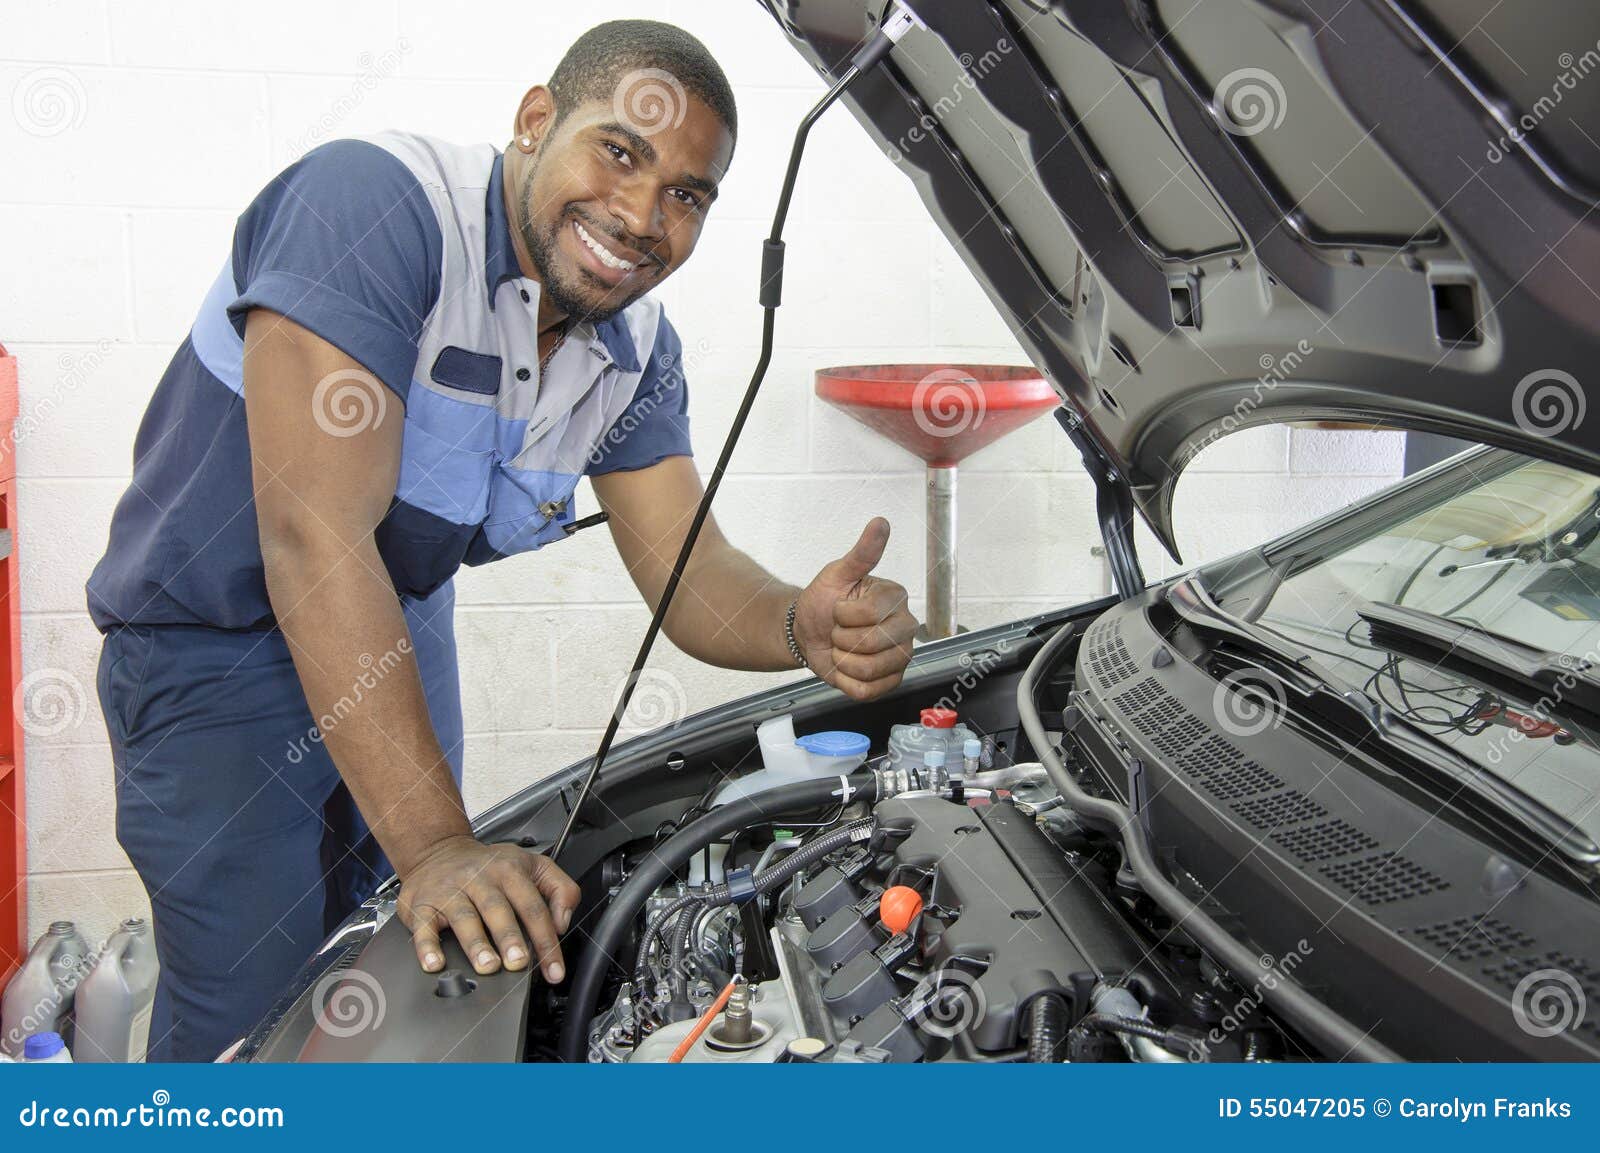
[{"x": 112, "y": 227}]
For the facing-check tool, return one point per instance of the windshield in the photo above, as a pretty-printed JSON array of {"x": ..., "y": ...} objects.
[{"x": 1510, "y": 552}]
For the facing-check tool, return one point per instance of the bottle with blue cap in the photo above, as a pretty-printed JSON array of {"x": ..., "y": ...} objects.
[
  {"x": 834, "y": 751},
  {"x": 785, "y": 759},
  {"x": 46, "y": 1049}
]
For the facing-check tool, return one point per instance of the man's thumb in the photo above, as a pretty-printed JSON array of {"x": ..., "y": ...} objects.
[{"x": 865, "y": 554}]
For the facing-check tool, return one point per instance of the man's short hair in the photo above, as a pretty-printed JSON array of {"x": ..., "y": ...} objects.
[{"x": 601, "y": 59}]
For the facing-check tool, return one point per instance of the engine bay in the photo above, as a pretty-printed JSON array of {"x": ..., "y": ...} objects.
[
  {"x": 1070, "y": 856},
  {"x": 1137, "y": 871},
  {"x": 943, "y": 913}
]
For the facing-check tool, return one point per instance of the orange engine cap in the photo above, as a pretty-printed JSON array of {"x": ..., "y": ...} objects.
[
  {"x": 938, "y": 718},
  {"x": 899, "y": 908}
]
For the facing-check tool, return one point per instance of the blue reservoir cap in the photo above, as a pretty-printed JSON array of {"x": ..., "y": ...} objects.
[
  {"x": 972, "y": 748},
  {"x": 835, "y": 743},
  {"x": 41, "y": 1046},
  {"x": 933, "y": 758}
]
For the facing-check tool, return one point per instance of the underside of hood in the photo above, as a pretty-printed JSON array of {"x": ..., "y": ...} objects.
[{"x": 1200, "y": 215}]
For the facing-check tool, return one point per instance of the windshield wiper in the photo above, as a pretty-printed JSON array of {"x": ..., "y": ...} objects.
[
  {"x": 1445, "y": 771},
  {"x": 1564, "y": 679}
]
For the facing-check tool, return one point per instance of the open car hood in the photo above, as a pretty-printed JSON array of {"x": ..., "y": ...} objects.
[{"x": 1199, "y": 215}]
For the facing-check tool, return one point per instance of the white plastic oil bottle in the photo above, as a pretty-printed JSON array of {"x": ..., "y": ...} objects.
[
  {"x": 113, "y": 1003},
  {"x": 39, "y": 998}
]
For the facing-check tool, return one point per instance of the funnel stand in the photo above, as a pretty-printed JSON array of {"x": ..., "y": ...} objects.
[{"x": 941, "y": 533}]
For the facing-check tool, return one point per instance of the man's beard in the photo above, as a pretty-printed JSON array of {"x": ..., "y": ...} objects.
[{"x": 563, "y": 291}]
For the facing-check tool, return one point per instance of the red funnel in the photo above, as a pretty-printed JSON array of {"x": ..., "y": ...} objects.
[{"x": 942, "y": 413}]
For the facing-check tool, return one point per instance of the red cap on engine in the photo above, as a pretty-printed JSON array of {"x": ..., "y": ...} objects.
[
  {"x": 938, "y": 718},
  {"x": 899, "y": 908}
]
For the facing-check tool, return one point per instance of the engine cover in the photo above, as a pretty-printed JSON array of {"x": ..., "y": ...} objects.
[{"x": 1007, "y": 917}]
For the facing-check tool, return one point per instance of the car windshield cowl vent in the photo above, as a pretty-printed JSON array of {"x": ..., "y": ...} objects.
[
  {"x": 1324, "y": 840},
  {"x": 1466, "y": 939},
  {"x": 1106, "y": 653},
  {"x": 1512, "y": 959},
  {"x": 1524, "y": 974},
  {"x": 1290, "y": 807},
  {"x": 1384, "y": 878}
]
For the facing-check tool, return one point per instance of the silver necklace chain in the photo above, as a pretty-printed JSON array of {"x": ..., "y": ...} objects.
[{"x": 544, "y": 361}]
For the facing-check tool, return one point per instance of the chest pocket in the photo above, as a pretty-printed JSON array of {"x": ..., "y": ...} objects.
[
  {"x": 465, "y": 371},
  {"x": 446, "y": 464},
  {"x": 528, "y": 508}
]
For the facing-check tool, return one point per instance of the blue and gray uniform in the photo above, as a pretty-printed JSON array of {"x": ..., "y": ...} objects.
[{"x": 396, "y": 249}]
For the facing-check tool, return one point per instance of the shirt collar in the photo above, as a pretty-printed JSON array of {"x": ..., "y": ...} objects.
[
  {"x": 613, "y": 333},
  {"x": 500, "y": 264},
  {"x": 500, "y": 254}
]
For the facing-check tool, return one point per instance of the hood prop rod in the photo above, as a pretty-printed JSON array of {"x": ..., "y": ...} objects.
[{"x": 895, "y": 25}]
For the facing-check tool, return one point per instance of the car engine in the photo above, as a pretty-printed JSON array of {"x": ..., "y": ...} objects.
[{"x": 953, "y": 917}]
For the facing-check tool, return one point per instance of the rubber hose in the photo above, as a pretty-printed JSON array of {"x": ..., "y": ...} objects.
[
  {"x": 589, "y": 972},
  {"x": 1047, "y": 1029},
  {"x": 1110, "y": 1023},
  {"x": 804, "y": 858},
  {"x": 641, "y": 970},
  {"x": 1308, "y": 1014},
  {"x": 764, "y": 882},
  {"x": 677, "y": 979}
]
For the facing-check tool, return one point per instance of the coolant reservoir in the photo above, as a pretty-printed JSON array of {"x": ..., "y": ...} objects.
[
  {"x": 938, "y": 729},
  {"x": 784, "y": 760}
]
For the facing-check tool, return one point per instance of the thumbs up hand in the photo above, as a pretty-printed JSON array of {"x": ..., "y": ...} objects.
[{"x": 853, "y": 627}]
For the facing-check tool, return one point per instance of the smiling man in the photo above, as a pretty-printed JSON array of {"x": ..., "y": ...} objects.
[{"x": 412, "y": 355}]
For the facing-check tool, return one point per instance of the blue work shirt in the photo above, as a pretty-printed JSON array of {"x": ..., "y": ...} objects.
[{"x": 395, "y": 249}]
